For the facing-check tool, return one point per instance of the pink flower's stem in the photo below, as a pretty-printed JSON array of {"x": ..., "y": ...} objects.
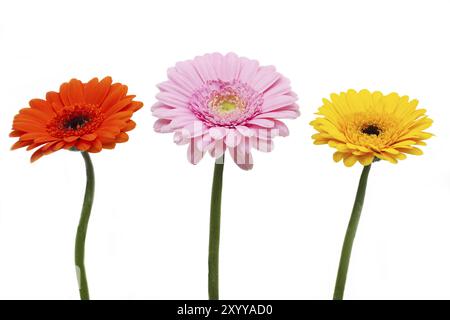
[{"x": 214, "y": 231}]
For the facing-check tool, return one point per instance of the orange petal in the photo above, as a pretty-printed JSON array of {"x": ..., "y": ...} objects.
[
  {"x": 20, "y": 144},
  {"x": 54, "y": 100},
  {"x": 32, "y": 136},
  {"x": 130, "y": 125},
  {"x": 114, "y": 124},
  {"x": 69, "y": 145},
  {"x": 58, "y": 146},
  {"x": 117, "y": 92},
  {"x": 82, "y": 146},
  {"x": 96, "y": 146},
  {"x": 107, "y": 134},
  {"x": 34, "y": 145},
  {"x": 64, "y": 94},
  {"x": 28, "y": 126},
  {"x": 41, "y": 105},
  {"x": 135, "y": 106},
  {"x": 101, "y": 90},
  {"x": 89, "y": 137},
  {"x": 71, "y": 138},
  {"x": 76, "y": 92},
  {"x": 36, "y": 155},
  {"x": 90, "y": 90},
  {"x": 111, "y": 145},
  {"x": 44, "y": 139},
  {"x": 122, "y": 137},
  {"x": 37, "y": 114},
  {"x": 16, "y": 133},
  {"x": 120, "y": 115},
  {"x": 49, "y": 146},
  {"x": 117, "y": 107}
]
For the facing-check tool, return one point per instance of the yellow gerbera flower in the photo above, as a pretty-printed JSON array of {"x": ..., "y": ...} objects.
[{"x": 364, "y": 126}]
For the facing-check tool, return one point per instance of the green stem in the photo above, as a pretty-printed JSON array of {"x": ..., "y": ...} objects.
[
  {"x": 214, "y": 231},
  {"x": 82, "y": 227},
  {"x": 350, "y": 236}
]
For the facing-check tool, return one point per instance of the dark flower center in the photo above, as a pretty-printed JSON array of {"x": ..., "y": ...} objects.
[
  {"x": 371, "y": 129},
  {"x": 76, "y": 122}
]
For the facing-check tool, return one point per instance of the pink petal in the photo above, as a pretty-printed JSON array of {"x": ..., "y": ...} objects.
[
  {"x": 233, "y": 138},
  {"x": 265, "y": 78},
  {"x": 245, "y": 131},
  {"x": 188, "y": 71},
  {"x": 157, "y": 105},
  {"x": 183, "y": 121},
  {"x": 264, "y": 133},
  {"x": 173, "y": 99},
  {"x": 180, "y": 139},
  {"x": 170, "y": 86},
  {"x": 169, "y": 112},
  {"x": 262, "y": 145},
  {"x": 248, "y": 70},
  {"x": 286, "y": 114},
  {"x": 217, "y": 133},
  {"x": 194, "y": 155},
  {"x": 282, "y": 129},
  {"x": 232, "y": 65},
  {"x": 162, "y": 125},
  {"x": 181, "y": 80},
  {"x": 204, "y": 143},
  {"x": 281, "y": 87},
  {"x": 243, "y": 160},
  {"x": 266, "y": 123},
  {"x": 217, "y": 60},
  {"x": 218, "y": 149},
  {"x": 277, "y": 102},
  {"x": 245, "y": 145},
  {"x": 204, "y": 69},
  {"x": 194, "y": 129}
]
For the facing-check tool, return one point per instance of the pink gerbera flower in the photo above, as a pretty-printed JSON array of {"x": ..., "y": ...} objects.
[{"x": 215, "y": 102}]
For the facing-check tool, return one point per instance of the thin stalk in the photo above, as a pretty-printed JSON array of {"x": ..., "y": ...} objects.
[
  {"x": 214, "y": 231},
  {"x": 82, "y": 228},
  {"x": 350, "y": 236}
]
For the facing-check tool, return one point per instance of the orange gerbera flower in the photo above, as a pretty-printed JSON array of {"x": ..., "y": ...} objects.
[{"x": 81, "y": 116}]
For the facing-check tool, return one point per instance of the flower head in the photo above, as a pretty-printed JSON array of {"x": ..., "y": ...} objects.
[
  {"x": 81, "y": 116},
  {"x": 364, "y": 126},
  {"x": 215, "y": 102}
]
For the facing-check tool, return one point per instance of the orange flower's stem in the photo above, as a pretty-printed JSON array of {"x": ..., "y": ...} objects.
[
  {"x": 82, "y": 227},
  {"x": 214, "y": 231},
  {"x": 350, "y": 235}
]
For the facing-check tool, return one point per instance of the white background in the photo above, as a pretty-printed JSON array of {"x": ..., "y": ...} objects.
[{"x": 283, "y": 222}]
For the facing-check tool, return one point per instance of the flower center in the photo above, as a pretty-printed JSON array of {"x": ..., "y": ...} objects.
[
  {"x": 75, "y": 120},
  {"x": 371, "y": 129},
  {"x": 227, "y": 107},
  {"x": 226, "y": 104}
]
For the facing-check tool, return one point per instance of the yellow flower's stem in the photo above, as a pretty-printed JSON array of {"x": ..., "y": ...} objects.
[
  {"x": 350, "y": 236},
  {"x": 82, "y": 228},
  {"x": 214, "y": 231}
]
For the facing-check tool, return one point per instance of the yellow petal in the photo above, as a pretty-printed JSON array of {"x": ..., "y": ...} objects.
[
  {"x": 366, "y": 159},
  {"x": 391, "y": 151},
  {"x": 412, "y": 150},
  {"x": 337, "y": 156},
  {"x": 350, "y": 160}
]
